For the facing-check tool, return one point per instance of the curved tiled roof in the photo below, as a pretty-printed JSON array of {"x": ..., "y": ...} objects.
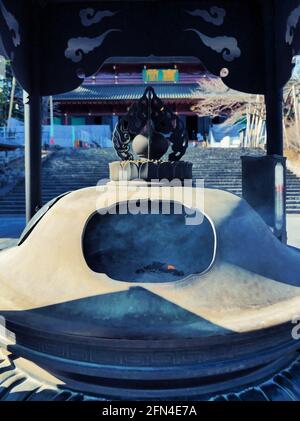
[{"x": 130, "y": 92}]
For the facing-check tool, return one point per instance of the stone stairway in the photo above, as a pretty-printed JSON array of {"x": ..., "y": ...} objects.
[
  {"x": 74, "y": 169},
  {"x": 221, "y": 169},
  {"x": 65, "y": 170}
]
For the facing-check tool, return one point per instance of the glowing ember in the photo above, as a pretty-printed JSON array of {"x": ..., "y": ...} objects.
[{"x": 160, "y": 267}]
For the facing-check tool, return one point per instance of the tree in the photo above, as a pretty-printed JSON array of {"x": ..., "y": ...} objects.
[
  {"x": 292, "y": 113},
  {"x": 6, "y": 85},
  {"x": 4, "y": 101},
  {"x": 218, "y": 100}
]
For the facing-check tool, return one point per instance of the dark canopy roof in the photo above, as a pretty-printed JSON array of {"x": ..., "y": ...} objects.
[{"x": 53, "y": 44}]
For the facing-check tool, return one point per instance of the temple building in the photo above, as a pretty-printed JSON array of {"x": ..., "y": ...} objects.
[{"x": 107, "y": 95}]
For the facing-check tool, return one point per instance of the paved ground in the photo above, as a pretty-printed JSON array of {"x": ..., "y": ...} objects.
[
  {"x": 12, "y": 226},
  {"x": 10, "y": 229}
]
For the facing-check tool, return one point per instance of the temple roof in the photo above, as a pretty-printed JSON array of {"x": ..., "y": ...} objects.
[{"x": 131, "y": 92}]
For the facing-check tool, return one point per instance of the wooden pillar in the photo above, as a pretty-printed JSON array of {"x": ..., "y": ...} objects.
[
  {"x": 32, "y": 124},
  {"x": 264, "y": 178},
  {"x": 273, "y": 91},
  {"x": 274, "y": 126},
  {"x": 274, "y": 102},
  {"x": 32, "y": 120}
]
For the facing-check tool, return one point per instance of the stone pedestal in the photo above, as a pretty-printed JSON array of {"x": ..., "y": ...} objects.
[{"x": 150, "y": 170}]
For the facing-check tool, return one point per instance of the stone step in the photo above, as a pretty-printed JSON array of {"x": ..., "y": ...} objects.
[
  {"x": 22, "y": 202},
  {"x": 70, "y": 170}
]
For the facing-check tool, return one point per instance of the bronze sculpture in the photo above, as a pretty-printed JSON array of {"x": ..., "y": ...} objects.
[{"x": 150, "y": 126}]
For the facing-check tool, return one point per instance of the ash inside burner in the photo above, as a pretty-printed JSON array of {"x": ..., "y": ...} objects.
[
  {"x": 160, "y": 267},
  {"x": 148, "y": 247}
]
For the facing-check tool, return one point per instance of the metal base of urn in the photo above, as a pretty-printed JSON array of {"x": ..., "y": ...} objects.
[{"x": 219, "y": 331}]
